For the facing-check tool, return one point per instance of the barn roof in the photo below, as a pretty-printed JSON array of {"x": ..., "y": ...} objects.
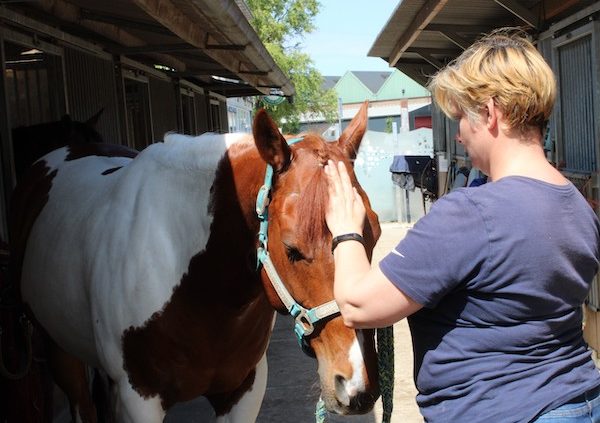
[
  {"x": 421, "y": 36},
  {"x": 373, "y": 80},
  {"x": 209, "y": 42}
]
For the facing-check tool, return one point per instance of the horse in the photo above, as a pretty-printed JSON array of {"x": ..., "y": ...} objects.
[
  {"x": 165, "y": 269},
  {"x": 32, "y": 142}
]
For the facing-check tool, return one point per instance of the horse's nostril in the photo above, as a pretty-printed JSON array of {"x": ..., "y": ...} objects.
[
  {"x": 351, "y": 398},
  {"x": 344, "y": 391}
]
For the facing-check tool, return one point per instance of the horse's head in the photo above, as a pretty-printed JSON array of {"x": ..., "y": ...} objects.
[{"x": 299, "y": 247}]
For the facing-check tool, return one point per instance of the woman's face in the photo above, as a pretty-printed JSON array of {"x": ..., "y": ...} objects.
[{"x": 471, "y": 135}]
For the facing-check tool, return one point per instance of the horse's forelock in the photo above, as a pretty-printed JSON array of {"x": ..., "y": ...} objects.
[{"x": 312, "y": 205}]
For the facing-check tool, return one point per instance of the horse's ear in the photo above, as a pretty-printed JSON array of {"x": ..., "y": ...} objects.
[
  {"x": 272, "y": 146},
  {"x": 353, "y": 134},
  {"x": 94, "y": 119}
]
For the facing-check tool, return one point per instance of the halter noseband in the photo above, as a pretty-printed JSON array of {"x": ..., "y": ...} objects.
[{"x": 305, "y": 318}]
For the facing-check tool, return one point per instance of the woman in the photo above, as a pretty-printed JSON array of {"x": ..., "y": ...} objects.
[{"x": 492, "y": 279}]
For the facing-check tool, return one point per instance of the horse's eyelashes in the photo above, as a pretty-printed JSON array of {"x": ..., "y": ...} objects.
[{"x": 294, "y": 254}]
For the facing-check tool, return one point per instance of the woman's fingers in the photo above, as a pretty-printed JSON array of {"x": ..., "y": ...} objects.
[
  {"x": 358, "y": 202},
  {"x": 345, "y": 181},
  {"x": 343, "y": 184},
  {"x": 335, "y": 184}
]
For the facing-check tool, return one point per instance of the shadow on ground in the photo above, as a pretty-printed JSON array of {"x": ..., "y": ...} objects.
[
  {"x": 292, "y": 387},
  {"x": 293, "y": 384}
]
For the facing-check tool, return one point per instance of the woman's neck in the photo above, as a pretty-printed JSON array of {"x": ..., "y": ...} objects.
[{"x": 523, "y": 157}]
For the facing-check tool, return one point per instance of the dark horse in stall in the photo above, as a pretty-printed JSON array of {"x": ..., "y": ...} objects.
[
  {"x": 32, "y": 142},
  {"x": 22, "y": 370},
  {"x": 155, "y": 268}
]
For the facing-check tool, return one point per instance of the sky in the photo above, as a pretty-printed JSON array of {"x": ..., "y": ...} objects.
[{"x": 345, "y": 32}]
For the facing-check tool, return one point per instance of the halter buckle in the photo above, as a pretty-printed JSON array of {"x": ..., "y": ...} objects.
[
  {"x": 262, "y": 202},
  {"x": 304, "y": 323}
]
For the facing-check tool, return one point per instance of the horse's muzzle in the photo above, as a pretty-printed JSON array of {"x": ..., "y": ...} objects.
[{"x": 348, "y": 400}]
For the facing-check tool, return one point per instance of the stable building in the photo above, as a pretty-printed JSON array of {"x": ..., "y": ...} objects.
[{"x": 149, "y": 66}]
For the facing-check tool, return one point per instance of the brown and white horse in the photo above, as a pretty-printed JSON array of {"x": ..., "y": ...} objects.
[{"x": 145, "y": 266}]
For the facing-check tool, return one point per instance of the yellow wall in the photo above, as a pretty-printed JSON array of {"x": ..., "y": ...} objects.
[{"x": 591, "y": 331}]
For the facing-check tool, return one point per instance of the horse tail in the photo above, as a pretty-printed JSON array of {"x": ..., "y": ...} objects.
[
  {"x": 12, "y": 310},
  {"x": 27, "y": 331}
]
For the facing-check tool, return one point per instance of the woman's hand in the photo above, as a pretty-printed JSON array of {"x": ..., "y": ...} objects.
[{"x": 346, "y": 211}]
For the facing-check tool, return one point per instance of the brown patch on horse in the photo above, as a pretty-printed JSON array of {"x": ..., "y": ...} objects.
[
  {"x": 179, "y": 353},
  {"x": 222, "y": 403},
  {"x": 27, "y": 201},
  {"x": 78, "y": 151}
]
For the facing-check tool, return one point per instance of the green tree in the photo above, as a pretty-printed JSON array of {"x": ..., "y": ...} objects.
[
  {"x": 281, "y": 25},
  {"x": 389, "y": 124}
]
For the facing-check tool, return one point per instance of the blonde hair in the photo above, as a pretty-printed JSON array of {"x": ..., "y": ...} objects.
[{"x": 503, "y": 66}]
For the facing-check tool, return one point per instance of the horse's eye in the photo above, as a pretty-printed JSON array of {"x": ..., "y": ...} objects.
[{"x": 294, "y": 254}]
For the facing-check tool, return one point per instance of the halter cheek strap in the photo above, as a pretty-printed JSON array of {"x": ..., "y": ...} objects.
[{"x": 305, "y": 318}]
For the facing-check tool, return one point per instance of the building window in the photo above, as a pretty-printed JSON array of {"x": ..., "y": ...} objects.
[
  {"x": 576, "y": 123},
  {"x": 215, "y": 116},
  {"x": 137, "y": 107},
  {"x": 34, "y": 85}
]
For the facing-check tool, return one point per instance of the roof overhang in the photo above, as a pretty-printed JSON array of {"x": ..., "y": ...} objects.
[
  {"x": 209, "y": 42},
  {"x": 422, "y": 36}
]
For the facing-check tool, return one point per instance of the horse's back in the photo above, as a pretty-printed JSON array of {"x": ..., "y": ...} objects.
[
  {"x": 53, "y": 205},
  {"x": 113, "y": 232}
]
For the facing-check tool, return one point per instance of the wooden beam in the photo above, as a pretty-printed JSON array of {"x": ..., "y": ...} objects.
[
  {"x": 417, "y": 72},
  {"x": 69, "y": 12},
  {"x": 148, "y": 27},
  {"x": 172, "y": 17},
  {"x": 429, "y": 59},
  {"x": 457, "y": 39},
  {"x": 92, "y": 15},
  {"x": 207, "y": 72},
  {"x": 439, "y": 51},
  {"x": 521, "y": 12},
  {"x": 254, "y": 72},
  {"x": 475, "y": 29},
  {"x": 153, "y": 48},
  {"x": 424, "y": 16},
  {"x": 226, "y": 87},
  {"x": 236, "y": 47},
  {"x": 415, "y": 61},
  {"x": 554, "y": 8}
]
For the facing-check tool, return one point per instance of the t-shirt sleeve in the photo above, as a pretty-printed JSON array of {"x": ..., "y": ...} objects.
[{"x": 446, "y": 248}]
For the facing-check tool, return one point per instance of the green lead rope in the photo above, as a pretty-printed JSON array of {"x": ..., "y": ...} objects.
[
  {"x": 321, "y": 412},
  {"x": 385, "y": 358},
  {"x": 385, "y": 361}
]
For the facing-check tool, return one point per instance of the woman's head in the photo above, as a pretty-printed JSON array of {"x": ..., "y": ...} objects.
[{"x": 503, "y": 66}]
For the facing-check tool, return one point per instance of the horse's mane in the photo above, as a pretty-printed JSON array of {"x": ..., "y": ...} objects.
[{"x": 312, "y": 204}]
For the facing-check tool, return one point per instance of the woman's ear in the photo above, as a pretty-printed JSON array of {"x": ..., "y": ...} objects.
[{"x": 491, "y": 120}]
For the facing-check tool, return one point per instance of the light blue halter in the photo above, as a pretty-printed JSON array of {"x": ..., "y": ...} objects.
[{"x": 305, "y": 318}]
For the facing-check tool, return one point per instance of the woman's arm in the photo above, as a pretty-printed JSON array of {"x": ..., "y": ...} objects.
[{"x": 366, "y": 297}]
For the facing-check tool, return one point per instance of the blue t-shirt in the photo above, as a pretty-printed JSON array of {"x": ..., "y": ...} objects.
[{"x": 502, "y": 271}]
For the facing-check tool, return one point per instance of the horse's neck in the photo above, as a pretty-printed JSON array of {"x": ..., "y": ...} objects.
[
  {"x": 245, "y": 170},
  {"x": 230, "y": 251}
]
